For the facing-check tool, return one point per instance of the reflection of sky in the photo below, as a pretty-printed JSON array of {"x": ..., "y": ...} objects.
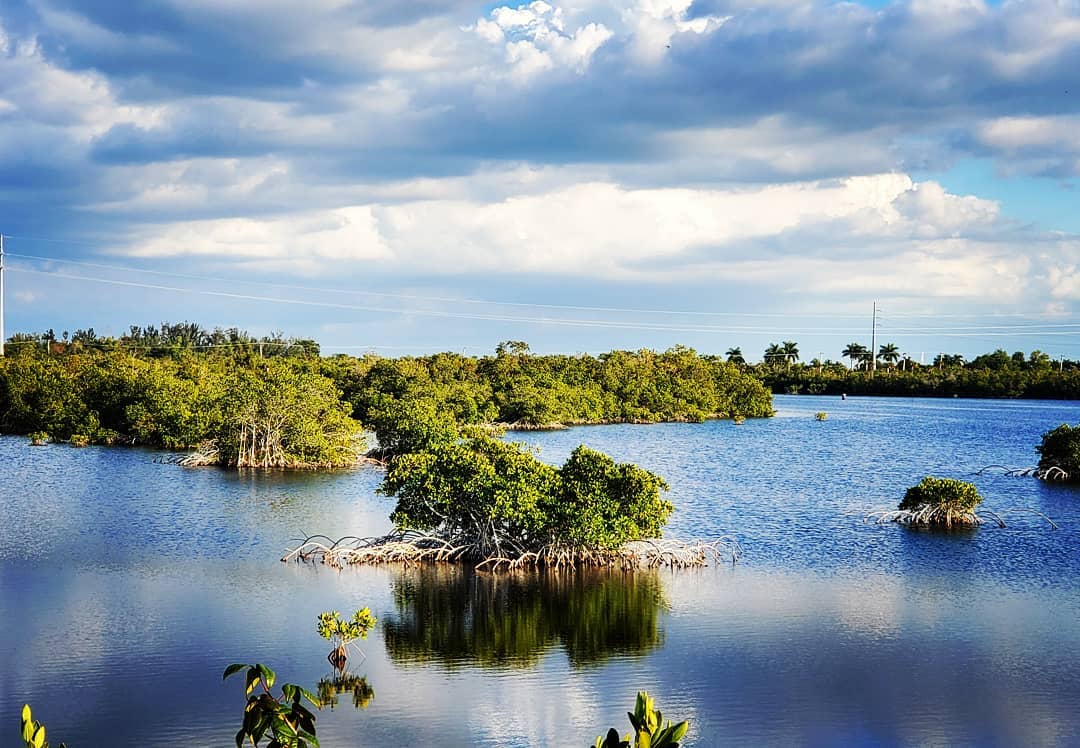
[
  {"x": 127, "y": 586},
  {"x": 751, "y": 656}
]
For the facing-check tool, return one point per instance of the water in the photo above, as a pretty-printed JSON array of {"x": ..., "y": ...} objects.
[{"x": 127, "y": 586}]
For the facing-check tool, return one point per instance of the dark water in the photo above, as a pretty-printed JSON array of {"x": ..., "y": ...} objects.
[{"x": 127, "y": 586}]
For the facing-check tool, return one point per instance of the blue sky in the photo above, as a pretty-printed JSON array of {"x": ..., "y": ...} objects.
[{"x": 585, "y": 175}]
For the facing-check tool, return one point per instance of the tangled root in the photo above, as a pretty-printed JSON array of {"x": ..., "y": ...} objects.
[
  {"x": 937, "y": 517},
  {"x": 1051, "y": 473},
  {"x": 412, "y": 547}
]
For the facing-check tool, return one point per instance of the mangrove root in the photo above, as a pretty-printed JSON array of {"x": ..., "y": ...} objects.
[
  {"x": 1051, "y": 473},
  {"x": 411, "y": 547},
  {"x": 933, "y": 516}
]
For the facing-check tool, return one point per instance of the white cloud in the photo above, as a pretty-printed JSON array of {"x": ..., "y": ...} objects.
[
  {"x": 1016, "y": 133},
  {"x": 910, "y": 236},
  {"x": 653, "y": 24},
  {"x": 535, "y": 39},
  {"x": 306, "y": 242}
]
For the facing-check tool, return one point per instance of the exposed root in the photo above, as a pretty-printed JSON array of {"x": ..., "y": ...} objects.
[
  {"x": 1051, "y": 473},
  {"x": 206, "y": 454},
  {"x": 935, "y": 517},
  {"x": 411, "y": 547},
  {"x": 927, "y": 516}
]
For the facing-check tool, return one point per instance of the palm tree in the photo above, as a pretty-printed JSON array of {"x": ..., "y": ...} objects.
[
  {"x": 889, "y": 353},
  {"x": 734, "y": 356},
  {"x": 774, "y": 353},
  {"x": 855, "y": 352},
  {"x": 790, "y": 350}
]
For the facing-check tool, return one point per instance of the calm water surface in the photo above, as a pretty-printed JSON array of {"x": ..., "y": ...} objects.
[{"x": 126, "y": 586}]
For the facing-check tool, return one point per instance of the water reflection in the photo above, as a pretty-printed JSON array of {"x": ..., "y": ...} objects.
[
  {"x": 330, "y": 687},
  {"x": 454, "y": 616}
]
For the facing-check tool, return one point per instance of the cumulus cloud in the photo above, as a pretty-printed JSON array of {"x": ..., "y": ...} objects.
[
  {"x": 536, "y": 40},
  {"x": 906, "y": 236},
  {"x": 660, "y": 139}
]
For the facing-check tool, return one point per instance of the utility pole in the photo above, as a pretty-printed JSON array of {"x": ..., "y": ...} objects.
[
  {"x": 1, "y": 295},
  {"x": 873, "y": 345}
]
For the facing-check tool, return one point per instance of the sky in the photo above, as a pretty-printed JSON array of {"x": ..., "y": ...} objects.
[{"x": 583, "y": 175}]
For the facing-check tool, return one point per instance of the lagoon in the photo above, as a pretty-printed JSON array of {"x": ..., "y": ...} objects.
[{"x": 126, "y": 587}]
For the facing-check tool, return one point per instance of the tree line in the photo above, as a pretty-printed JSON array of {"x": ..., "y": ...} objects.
[
  {"x": 999, "y": 374},
  {"x": 275, "y": 402}
]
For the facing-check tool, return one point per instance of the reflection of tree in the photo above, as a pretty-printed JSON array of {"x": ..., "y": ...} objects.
[
  {"x": 452, "y": 615},
  {"x": 341, "y": 682}
]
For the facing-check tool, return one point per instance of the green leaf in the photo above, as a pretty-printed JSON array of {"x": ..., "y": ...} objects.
[
  {"x": 315, "y": 702},
  {"x": 679, "y": 731},
  {"x": 234, "y": 668},
  {"x": 252, "y": 680},
  {"x": 267, "y": 674}
]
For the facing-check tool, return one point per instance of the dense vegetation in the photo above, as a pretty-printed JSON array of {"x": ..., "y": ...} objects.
[
  {"x": 1060, "y": 454},
  {"x": 273, "y": 412},
  {"x": 518, "y": 388},
  {"x": 494, "y": 498},
  {"x": 273, "y": 402},
  {"x": 998, "y": 375}
]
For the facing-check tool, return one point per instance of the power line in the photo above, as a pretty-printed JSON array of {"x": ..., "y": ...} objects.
[
  {"x": 422, "y": 297},
  {"x": 943, "y": 331},
  {"x": 534, "y": 305},
  {"x": 843, "y": 332}
]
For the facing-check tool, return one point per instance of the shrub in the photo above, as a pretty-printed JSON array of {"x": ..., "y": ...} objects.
[
  {"x": 496, "y": 497},
  {"x": 941, "y": 501},
  {"x": 1060, "y": 450}
]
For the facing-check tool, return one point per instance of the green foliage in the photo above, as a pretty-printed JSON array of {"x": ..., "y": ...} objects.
[
  {"x": 1060, "y": 448},
  {"x": 282, "y": 415},
  {"x": 284, "y": 718},
  {"x": 342, "y": 633},
  {"x": 411, "y": 425},
  {"x": 32, "y": 731},
  {"x": 332, "y": 628},
  {"x": 946, "y": 494},
  {"x": 604, "y": 504},
  {"x": 480, "y": 487},
  {"x": 650, "y": 731},
  {"x": 179, "y": 386},
  {"x": 499, "y": 498},
  {"x": 39, "y": 438}
]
